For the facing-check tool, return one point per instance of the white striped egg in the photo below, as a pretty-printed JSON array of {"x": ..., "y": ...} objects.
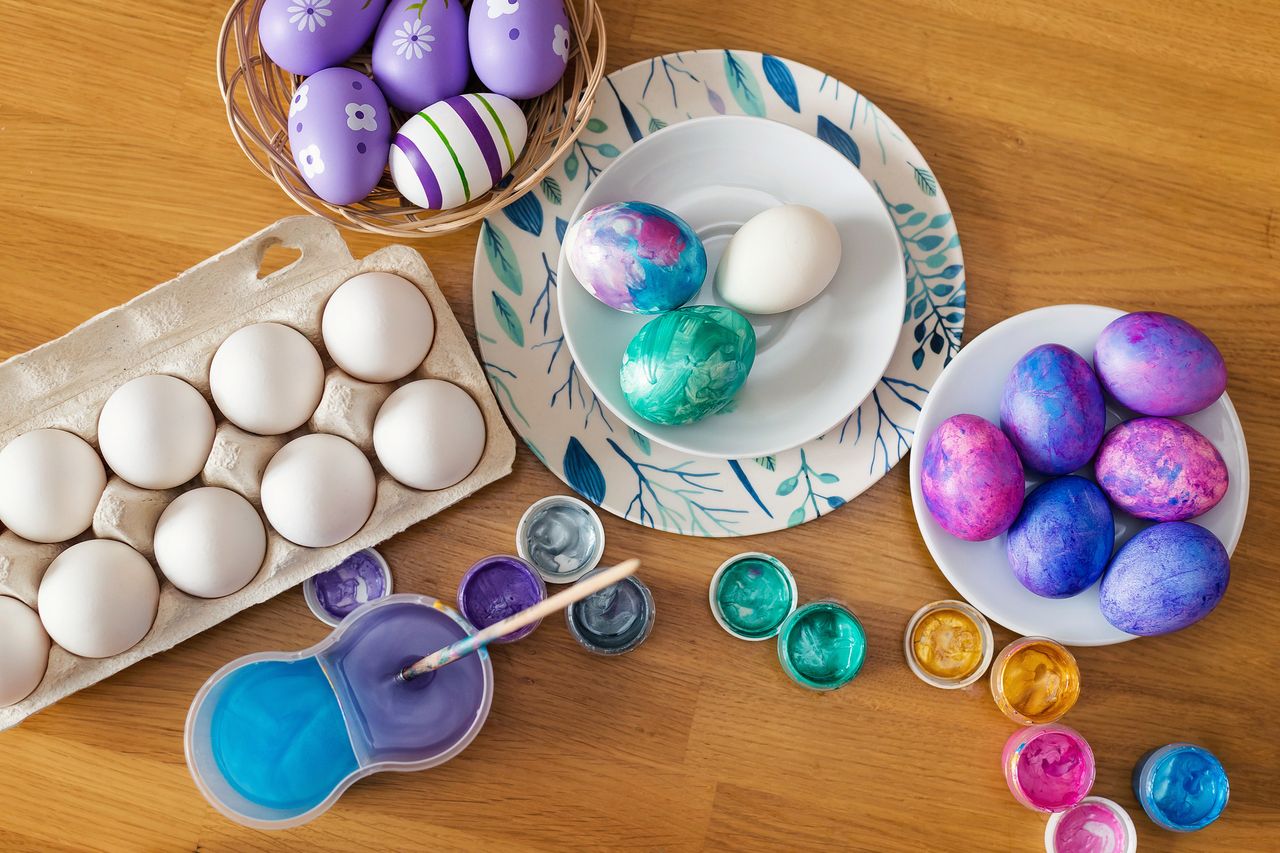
[{"x": 455, "y": 150}]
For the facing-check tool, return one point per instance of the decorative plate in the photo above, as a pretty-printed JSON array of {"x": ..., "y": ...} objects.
[{"x": 584, "y": 443}]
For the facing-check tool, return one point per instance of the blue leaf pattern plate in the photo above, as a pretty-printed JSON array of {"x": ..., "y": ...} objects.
[{"x": 585, "y": 444}]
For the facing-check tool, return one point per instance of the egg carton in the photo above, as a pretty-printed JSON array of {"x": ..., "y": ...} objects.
[{"x": 174, "y": 329}]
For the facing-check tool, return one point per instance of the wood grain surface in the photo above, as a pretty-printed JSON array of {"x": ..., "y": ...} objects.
[{"x": 1122, "y": 153}]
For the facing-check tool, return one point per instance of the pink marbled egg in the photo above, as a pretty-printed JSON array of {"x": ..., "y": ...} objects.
[
  {"x": 971, "y": 478},
  {"x": 1158, "y": 364},
  {"x": 1161, "y": 469}
]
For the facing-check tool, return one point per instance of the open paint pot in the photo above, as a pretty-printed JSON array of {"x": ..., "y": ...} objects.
[
  {"x": 1048, "y": 768},
  {"x": 561, "y": 537},
  {"x": 822, "y": 645},
  {"x": 498, "y": 587},
  {"x": 359, "y": 579},
  {"x": 1181, "y": 787},
  {"x": 1094, "y": 825},
  {"x": 273, "y": 739},
  {"x": 615, "y": 620},
  {"x": 948, "y": 644},
  {"x": 1035, "y": 680},
  {"x": 752, "y": 594}
]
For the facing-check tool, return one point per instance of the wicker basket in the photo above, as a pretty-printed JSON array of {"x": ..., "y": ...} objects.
[{"x": 257, "y": 94}]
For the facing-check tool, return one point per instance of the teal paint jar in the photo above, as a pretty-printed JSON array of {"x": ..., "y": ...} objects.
[{"x": 822, "y": 645}]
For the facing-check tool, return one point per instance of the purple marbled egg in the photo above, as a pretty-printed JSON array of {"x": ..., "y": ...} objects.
[
  {"x": 1062, "y": 539},
  {"x": 519, "y": 48},
  {"x": 1052, "y": 410},
  {"x": 1157, "y": 364},
  {"x": 420, "y": 53},
  {"x": 1161, "y": 469},
  {"x": 340, "y": 134},
  {"x": 305, "y": 36},
  {"x": 971, "y": 478},
  {"x": 1164, "y": 579}
]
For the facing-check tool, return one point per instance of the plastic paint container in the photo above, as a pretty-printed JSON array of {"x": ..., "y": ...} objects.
[
  {"x": 615, "y": 620},
  {"x": 1181, "y": 787},
  {"x": 1035, "y": 680},
  {"x": 752, "y": 594},
  {"x": 1049, "y": 768},
  {"x": 361, "y": 578},
  {"x": 948, "y": 644},
  {"x": 498, "y": 587},
  {"x": 1095, "y": 825},
  {"x": 822, "y": 645},
  {"x": 561, "y": 537}
]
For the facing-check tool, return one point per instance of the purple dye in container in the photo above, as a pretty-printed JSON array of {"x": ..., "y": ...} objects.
[
  {"x": 498, "y": 587},
  {"x": 362, "y": 577}
]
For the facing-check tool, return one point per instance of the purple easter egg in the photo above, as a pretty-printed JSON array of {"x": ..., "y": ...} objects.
[
  {"x": 340, "y": 134},
  {"x": 1052, "y": 410},
  {"x": 1161, "y": 469},
  {"x": 1164, "y": 579},
  {"x": 420, "y": 53},
  {"x": 1157, "y": 364},
  {"x": 519, "y": 48},
  {"x": 971, "y": 478},
  {"x": 305, "y": 36},
  {"x": 1062, "y": 539}
]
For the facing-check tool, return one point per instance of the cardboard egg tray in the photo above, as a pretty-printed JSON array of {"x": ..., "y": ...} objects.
[{"x": 175, "y": 329}]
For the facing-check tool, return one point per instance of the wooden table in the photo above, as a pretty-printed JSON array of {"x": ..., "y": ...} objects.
[{"x": 1115, "y": 153}]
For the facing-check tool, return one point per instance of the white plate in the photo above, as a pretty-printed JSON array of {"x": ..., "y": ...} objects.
[
  {"x": 980, "y": 571},
  {"x": 814, "y": 364}
]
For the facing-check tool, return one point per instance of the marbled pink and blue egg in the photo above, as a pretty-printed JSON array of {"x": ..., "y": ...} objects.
[
  {"x": 1161, "y": 469},
  {"x": 636, "y": 257},
  {"x": 1062, "y": 539},
  {"x": 1157, "y": 364},
  {"x": 306, "y": 36},
  {"x": 1165, "y": 578},
  {"x": 519, "y": 48},
  {"x": 420, "y": 53},
  {"x": 339, "y": 133},
  {"x": 971, "y": 478},
  {"x": 1052, "y": 410}
]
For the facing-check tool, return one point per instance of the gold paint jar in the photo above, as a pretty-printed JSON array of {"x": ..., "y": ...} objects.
[
  {"x": 948, "y": 644},
  {"x": 1035, "y": 680}
]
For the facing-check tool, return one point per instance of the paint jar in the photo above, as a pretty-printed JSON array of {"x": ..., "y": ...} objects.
[
  {"x": 614, "y": 620},
  {"x": 561, "y": 537},
  {"x": 752, "y": 594},
  {"x": 948, "y": 644},
  {"x": 1181, "y": 787},
  {"x": 822, "y": 645},
  {"x": 1094, "y": 825},
  {"x": 1035, "y": 680},
  {"x": 359, "y": 579},
  {"x": 498, "y": 587},
  {"x": 1049, "y": 768}
]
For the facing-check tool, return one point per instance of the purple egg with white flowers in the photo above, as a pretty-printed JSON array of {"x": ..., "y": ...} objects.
[
  {"x": 1161, "y": 469},
  {"x": 339, "y": 133},
  {"x": 1157, "y": 364},
  {"x": 1165, "y": 578},
  {"x": 1052, "y": 410},
  {"x": 519, "y": 48},
  {"x": 971, "y": 478},
  {"x": 305, "y": 36},
  {"x": 420, "y": 53},
  {"x": 1062, "y": 539}
]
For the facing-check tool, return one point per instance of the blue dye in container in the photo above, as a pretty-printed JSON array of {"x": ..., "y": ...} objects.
[{"x": 1181, "y": 787}]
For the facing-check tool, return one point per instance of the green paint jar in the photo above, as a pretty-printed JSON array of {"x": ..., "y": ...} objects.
[
  {"x": 752, "y": 594},
  {"x": 822, "y": 645}
]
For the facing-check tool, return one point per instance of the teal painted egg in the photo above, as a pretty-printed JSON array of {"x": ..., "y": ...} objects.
[{"x": 687, "y": 364}]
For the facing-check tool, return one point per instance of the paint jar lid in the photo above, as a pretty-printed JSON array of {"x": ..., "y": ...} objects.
[
  {"x": 752, "y": 594},
  {"x": 615, "y": 620},
  {"x": 822, "y": 645},
  {"x": 942, "y": 621},
  {"x": 362, "y": 577},
  {"x": 1095, "y": 823},
  {"x": 543, "y": 534},
  {"x": 497, "y": 587}
]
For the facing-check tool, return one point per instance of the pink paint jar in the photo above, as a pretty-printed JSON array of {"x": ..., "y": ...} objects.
[
  {"x": 1048, "y": 768},
  {"x": 1094, "y": 825}
]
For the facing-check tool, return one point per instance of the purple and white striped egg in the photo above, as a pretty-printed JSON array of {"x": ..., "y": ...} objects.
[
  {"x": 339, "y": 133},
  {"x": 457, "y": 149}
]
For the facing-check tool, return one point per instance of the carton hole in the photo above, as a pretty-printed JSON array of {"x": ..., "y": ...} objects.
[{"x": 277, "y": 257}]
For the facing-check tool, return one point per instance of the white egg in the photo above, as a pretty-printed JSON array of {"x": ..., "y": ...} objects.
[
  {"x": 50, "y": 484},
  {"x": 266, "y": 378},
  {"x": 779, "y": 260},
  {"x": 156, "y": 432},
  {"x": 98, "y": 598},
  {"x": 24, "y": 651},
  {"x": 210, "y": 542},
  {"x": 378, "y": 327},
  {"x": 318, "y": 490},
  {"x": 429, "y": 434}
]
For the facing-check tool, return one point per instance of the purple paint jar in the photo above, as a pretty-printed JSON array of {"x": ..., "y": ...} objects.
[
  {"x": 362, "y": 577},
  {"x": 498, "y": 587}
]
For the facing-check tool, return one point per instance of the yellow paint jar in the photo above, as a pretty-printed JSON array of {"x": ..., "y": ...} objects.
[
  {"x": 1035, "y": 680},
  {"x": 948, "y": 644}
]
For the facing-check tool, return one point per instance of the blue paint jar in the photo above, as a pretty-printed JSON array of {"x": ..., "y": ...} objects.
[{"x": 1181, "y": 787}]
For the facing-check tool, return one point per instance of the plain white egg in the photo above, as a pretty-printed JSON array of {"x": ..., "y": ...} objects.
[
  {"x": 156, "y": 432},
  {"x": 210, "y": 542},
  {"x": 24, "y": 651},
  {"x": 50, "y": 484},
  {"x": 378, "y": 327},
  {"x": 266, "y": 378},
  {"x": 98, "y": 598},
  {"x": 779, "y": 260},
  {"x": 318, "y": 490},
  {"x": 429, "y": 434}
]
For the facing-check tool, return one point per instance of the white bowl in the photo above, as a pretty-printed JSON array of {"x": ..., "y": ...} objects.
[
  {"x": 814, "y": 364},
  {"x": 973, "y": 384}
]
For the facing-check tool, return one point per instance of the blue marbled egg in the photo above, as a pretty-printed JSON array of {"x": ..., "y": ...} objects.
[
  {"x": 1052, "y": 410},
  {"x": 1062, "y": 539},
  {"x": 1165, "y": 578}
]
